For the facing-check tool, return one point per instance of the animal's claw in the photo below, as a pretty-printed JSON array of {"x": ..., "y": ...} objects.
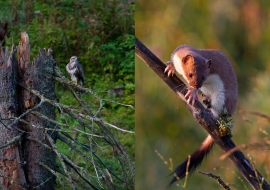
[
  {"x": 170, "y": 68},
  {"x": 191, "y": 95},
  {"x": 207, "y": 101}
]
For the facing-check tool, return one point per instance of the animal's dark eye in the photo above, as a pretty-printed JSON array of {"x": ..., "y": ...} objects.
[
  {"x": 190, "y": 75},
  {"x": 203, "y": 78}
]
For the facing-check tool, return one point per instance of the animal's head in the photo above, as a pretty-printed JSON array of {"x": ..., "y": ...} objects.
[
  {"x": 73, "y": 59},
  {"x": 196, "y": 69}
]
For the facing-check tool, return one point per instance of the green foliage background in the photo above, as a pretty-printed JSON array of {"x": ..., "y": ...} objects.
[
  {"x": 101, "y": 34},
  {"x": 240, "y": 29}
]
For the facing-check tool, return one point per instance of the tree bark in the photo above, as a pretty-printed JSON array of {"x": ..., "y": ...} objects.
[
  {"x": 11, "y": 171},
  {"x": 22, "y": 150},
  {"x": 37, "y": 76}
]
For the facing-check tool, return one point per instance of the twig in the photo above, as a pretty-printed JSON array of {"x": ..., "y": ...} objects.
[
  {"x": 72, "y": 165},
  {"x": 48, "y": 168},
  {"x": 38, "y": 186},
  {"x": 71, "y": 145},
  {"x": 61, "y": 160},
  {"x": 61, "y": 172},
  {"x": 63, "y": 125},
  {"x": 82, "y": 154},
  {"x": 106, "y": 123},
  {"x": 217, "y": 178},
  {"x": 186, "y": 177},
  {"x": 260, "y": 114},
  {"x": 61, "y": 78},
  {"x": 13, "y": 140},
  {"x": 17, "y": 119}
]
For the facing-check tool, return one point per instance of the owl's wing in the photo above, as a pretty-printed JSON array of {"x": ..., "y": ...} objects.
[
  {"x": 67, "y": 69},
  {"x": 79, "y": 72}
]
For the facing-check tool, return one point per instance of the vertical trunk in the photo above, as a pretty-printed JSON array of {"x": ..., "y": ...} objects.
[
  {"x": 11, "y": 171},
  {"x": 20, "y": 161},
  {"x": 37, "y": 76}
]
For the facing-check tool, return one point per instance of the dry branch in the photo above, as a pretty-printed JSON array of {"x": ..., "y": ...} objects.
[
  {"x": 202, "y": 117},
  {"x": 217, "y": 178}
]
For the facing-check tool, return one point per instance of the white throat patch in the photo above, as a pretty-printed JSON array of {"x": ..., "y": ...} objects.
[
  {"x": 213, "y": 87},
  {"x": 177, "y": 62}
]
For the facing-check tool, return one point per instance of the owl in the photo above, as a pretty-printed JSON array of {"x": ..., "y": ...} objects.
[{"x": 75, "y": 71}]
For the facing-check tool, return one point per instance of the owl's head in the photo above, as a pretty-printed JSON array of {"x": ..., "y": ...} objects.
[{"x": 73, "y": 59}]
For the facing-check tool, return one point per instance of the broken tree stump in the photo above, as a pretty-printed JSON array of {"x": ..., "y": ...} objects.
[{"x": 19, "y": 79}]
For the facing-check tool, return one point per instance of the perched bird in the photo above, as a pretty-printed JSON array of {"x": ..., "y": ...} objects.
[{"x": 75, "y": 71}]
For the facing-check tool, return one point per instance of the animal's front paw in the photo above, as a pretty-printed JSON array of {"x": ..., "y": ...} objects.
[
  {"x": 191, "y": 95},
  {"x": 170, "y": 68},
  {"x": 206, "y": 101}
]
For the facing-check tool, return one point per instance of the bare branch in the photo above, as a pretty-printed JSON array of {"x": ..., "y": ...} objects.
[
  {"x": 217, "y": 178},
  {"x": 61, "y": 172},
  {"x": 61, "y": 78},
  {"x": 61, "y": 161},
  {"x": 25, "y": 113},
  {"x": 13, "y": 140},
  {"x": 260, "y": 114},
  {"x": 72, "y": 165}
]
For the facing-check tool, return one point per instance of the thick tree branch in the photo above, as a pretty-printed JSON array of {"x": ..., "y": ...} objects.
[{"x": 202, "y": 117}]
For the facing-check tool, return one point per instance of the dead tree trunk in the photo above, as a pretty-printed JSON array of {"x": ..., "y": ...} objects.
[
  {"x": 37, "y": 76},
  {"x": 28, "y": 153},
  {"x": 11, "y": 171}
]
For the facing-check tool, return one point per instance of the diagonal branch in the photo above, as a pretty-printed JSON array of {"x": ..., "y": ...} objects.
[{"x": 202, "y": 117}]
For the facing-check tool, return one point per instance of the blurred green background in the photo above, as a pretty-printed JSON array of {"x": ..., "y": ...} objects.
[{"x": 241, "y": 30}]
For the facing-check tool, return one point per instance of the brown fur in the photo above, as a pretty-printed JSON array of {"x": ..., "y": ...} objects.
[
  {"x": 220, "y": 65},
  {"x": 200, "y": 64},
  {"x": 196, "y": 73}
]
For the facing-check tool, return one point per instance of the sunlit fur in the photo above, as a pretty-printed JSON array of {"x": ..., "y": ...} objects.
[
  {"x": 213, "y": 87},
  {"x": 219, "y": 86},
  {"x": 177, "y": 62}
]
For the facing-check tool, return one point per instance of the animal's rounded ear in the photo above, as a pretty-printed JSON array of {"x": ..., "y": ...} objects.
[
  {"x": 208, "y": 63},
  {"x": 187, "y": 59}
]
